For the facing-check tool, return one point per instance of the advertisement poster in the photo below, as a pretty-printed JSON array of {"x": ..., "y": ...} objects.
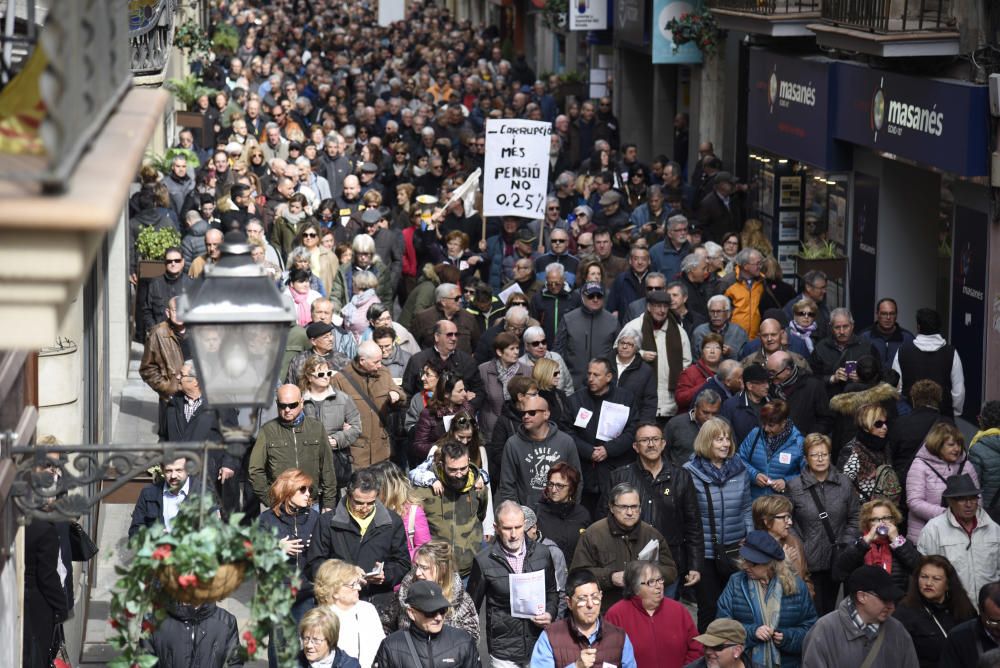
[
  {"x": 786, "y": 258},
  {"x": 968, "y": 301},
  {"x": 390, "y": 11},
  {"x": 767, "y": 191},
  {"x": 791, "y": 191},
  {"x": 837, "y": 225},
  {"x": 788, "y": 226},
  {"x": 663, "y": 40},
  {"x": 864, "y": 245},
  {"x": 588, "y": 15}
]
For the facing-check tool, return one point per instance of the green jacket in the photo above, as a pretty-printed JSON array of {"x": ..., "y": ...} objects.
[
  {"x": 457, "y": 517},
  {"x": 280, "y": 447},
  {"x": 341, "y": 293}
]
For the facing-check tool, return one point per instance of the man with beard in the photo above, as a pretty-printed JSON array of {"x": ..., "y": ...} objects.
[
  {"x": 159, "y": 502},
  {"x": 456, "y": 504}
]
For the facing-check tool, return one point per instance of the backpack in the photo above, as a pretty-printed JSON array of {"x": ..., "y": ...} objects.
[{"x": 886, "y": 484}]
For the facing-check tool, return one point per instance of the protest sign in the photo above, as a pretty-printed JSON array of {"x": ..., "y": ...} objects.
[{"x": 516, "y": 168}]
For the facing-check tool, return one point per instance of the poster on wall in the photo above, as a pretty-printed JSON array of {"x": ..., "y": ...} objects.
[
  {"x": 588, "y": 15},
  {"x": 968, "y": 300},
  {"x": 791, "y": 191},
  {"x": 837, "y": 223},
  {"x": 767, "y": 191},
  {"x": 664, "y": 11},
  {"x": 786, "y": 258},
  {"x": 864, "y": 245},
  {"x": 788, "y": 226}
]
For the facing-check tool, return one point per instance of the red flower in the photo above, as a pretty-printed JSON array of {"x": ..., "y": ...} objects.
[
  {"x": 114, "y": 623},
  {"x": 147, "y": 626},
  {"x": 295, "y": 591},
  {"x": 162, "y": 552},
  {"x": 249, "y": 547},
  {"x": 251, "y": 643},
  {"x": 189, "y": 580}
]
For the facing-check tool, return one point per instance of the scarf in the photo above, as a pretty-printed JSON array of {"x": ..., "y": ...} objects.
[
  {"x": 674, "y": 349},
  {"x": 803, "y": 333},
  {"x": 780, "y": 388},
  {"x": 505, "y": 375},
  {"x": 879, "y": 554},
  {"x": 993, "y": 431},
  {"x": 731, "y": 467},
  {"x": 776, "y": 441},
  {"x": 768, "y": 598},
  {"x": 870, "y": 450},
  {"x": 294, "y": 219},
  {"x": 296, "y": 422},
  {"x": 302, "y": 311},
  {"x": 325, "y": 663}
]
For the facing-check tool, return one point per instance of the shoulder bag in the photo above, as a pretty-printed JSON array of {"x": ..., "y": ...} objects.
[
  {"x": 726, "y": 556},
  {"x": 873, "y": 652},
  {"x": 835, "y": 547}
]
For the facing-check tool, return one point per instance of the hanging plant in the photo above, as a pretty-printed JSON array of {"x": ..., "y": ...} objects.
[
  {"x": 698, "y": 28},
  {"x": 554, "y": 15},
  {"x": 192, "y": 40},
  {"x": 203, "y": 559}
]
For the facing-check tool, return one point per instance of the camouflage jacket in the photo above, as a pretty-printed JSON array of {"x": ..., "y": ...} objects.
[{"x": 457, "y": 517}]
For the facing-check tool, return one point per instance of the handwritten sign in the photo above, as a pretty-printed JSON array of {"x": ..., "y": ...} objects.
[{"x": 516, "y": 168}]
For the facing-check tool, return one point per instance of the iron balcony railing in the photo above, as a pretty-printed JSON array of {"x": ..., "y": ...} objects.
[
  {"x": 767, "y": 7},
  {"x": 890, "y": 16}
]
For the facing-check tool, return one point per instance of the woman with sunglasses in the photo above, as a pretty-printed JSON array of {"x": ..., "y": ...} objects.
[
  {"x": 435, "y": 561},
  {"x": 336, "y": 410},
  {"x": 321, "y": 259},
  {"x": 338, "y": 585},
  {"x": 548, "y": 374},
  {"x": 865, "y": 459},
  {"x": 429, "y": 376},
  {"x": 536, "y": 347},
  {"x": 803, "y": 323},
  {"x": 449, "y": 398},
  {"x": 941, "y": 456}
]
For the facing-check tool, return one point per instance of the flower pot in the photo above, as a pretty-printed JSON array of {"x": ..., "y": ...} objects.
[
  {"x": 835, "y": 268},
  {"x": 227, "y": 579},
  {"x": 151, "y": 268}
]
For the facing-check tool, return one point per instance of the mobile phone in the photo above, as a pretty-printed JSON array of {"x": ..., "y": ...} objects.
[{"x": 850, "y": 367}]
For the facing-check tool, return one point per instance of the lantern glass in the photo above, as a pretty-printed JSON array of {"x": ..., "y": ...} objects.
[{"x": 238, "y": 363}]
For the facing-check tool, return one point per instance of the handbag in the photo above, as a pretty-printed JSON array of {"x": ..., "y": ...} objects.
[
  {"x": 343, "y": 464},
  {"x": 82, "y": 547},
  {"x": 726, "y": 556},
  {"x": 835, "y": 547},
  {"x": 60, "y": 655}
]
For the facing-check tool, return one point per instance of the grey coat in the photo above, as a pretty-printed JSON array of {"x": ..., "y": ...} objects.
[
  {"x": 839, "y": 500},
  {"x": 490, "y": 411},
  {"x": 333, "y": 412},
  {"x": 836, "y": 641},
  {"x": 584, "y": 335}
]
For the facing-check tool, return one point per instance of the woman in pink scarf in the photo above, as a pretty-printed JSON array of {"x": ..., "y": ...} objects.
[{"x": 297, "y": 288}]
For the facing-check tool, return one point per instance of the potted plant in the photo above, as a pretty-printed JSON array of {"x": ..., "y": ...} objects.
[
  {"x": 163, "y": 162},
  {"x": 151, "y": 245},
  {"x": 225, "y": 40},
  {"x": 187, "y": 90},
  {"x": 192, "y": 40},
  {"x": 821, "y": 256},
  {"x": 699, "y": 28},
  {"x": 203, "y": 559}
]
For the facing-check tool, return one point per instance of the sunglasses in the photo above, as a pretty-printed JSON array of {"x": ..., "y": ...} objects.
[
  {"x": 324, "y": 374},
  {"x": 806, "y": 314},
  {"x": 287, "y": 407},
  {"x": 533, "y": 413},
  {"x": 878, "y": 424},
  {"x": 173, "y": 261},
  {"x": 596, "y": 295},
  {"x": 310, "y": 235},
  {"x": 539, "y": 342},
  {"x": 451, "y": 335},
  {"x": 305, "y": 490}
]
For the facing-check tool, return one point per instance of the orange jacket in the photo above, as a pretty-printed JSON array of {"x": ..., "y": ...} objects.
[{"x": 746, "y": 305}]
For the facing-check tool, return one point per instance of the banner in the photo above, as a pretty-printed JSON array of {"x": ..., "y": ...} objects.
[
  {"x": 516, "y": 168},
  {"x": 390, "y": 11},
  {"x": 663, "y": 40},
  {"x": 864, "y": 247},
  {"x": 588, "y": 15}
]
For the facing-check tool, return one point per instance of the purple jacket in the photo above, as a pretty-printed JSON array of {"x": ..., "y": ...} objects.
[{"x": 924, "y": 485}]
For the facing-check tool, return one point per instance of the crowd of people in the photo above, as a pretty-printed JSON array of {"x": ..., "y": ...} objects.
[{"x": 653, "y": 452}]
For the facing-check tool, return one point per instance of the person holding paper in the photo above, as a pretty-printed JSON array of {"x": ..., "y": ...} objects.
[
  {"x": 602, "y": 422},
  {"x": 609, "y": 544},
  {"x": 583, "y": 639},
  {"x": 510, "y": 639}
]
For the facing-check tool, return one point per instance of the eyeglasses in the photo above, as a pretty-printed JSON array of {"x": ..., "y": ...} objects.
[
  {"x": 324, "y": 374},
  {"x": 287, "y": 407},
  {"x": 626, "y": 509},
  {"x": 310, "y": 234},
  {"x": 307, "y": 641},
  {"x": 806, "y": 314},
  {"x": 539, "y": 342},
  {"x": 583, "y": 600},
  {"x": 819, "y": 455},
  {"x": 653, "y": 582},
  {"x": 878, "y": 424},
  {"x": 172, "y": 260},
  {"x": 988, "y": 621},
  {"x": 556, "y": 374},
  {"x": 451, "y": 335},
  {"x": 551, "y": 208},
  {"x": 884, "y": 518},
  {"x": 305, "y": 490},
  {"x": 652, "y": 440},
  {"x": 533, "y": 413},
  {"x": 556, "y": 485},
  {"x": 784, "y": 517}
]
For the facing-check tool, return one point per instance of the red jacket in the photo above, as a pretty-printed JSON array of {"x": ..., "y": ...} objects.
[
  {"x": 663, "y": 640},
  {"x": 689, "y": 382}
]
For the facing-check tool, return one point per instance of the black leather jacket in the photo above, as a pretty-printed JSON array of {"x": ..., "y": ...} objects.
[{"x": 451, "y": 648}]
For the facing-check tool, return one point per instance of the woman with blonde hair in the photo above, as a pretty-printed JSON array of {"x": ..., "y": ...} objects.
[
  {"x": 722, "y": 483},
  {"x": 396, "y": 494},
  {"x": 319, "y": 633},
  {"x": 337, "y": 584},
  {"x": 865, "y": 459},
  {"x": 770, "y": 601},
  {"x": 941, "y": 456},
  {"x": 752, "y": 236},
  {"x": 435, "y": 561},
  {"x": 803, "y": 324},
  {"x": 547, "y": 375}
]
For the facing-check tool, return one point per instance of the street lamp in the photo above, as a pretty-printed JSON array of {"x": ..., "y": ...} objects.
[{"x": 237, "y": 323}]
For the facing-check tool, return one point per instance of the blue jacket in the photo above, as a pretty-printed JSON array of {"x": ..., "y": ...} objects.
[
  {"x": 786, "y": 462},
  {"x": 666, "y": 260},
  {"x": 797, "y": 616},
  {"x": 741, "y": 414},
  {"x": 730, "y": 501},
  {"x": 495, "y": 256},
  {"x": 625, "y": 290},
  {"x": 887, "y": 346}
]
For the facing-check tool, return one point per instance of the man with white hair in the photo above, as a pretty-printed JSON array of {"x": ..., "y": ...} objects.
[
  {"x": 374, "y": 392},
  {"x": 694, "y": 275},
  {"x": 554, "y": 302},
  {"x": 316, "y": 183},
  {"x": 719, "y": 313}
]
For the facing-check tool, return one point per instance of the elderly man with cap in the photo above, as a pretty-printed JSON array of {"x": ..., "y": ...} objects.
[
  {"x": 665, "y": 347},
  {"x": 743, "y": 409},
  {"x": 525, "y": 278},
  {"x": 724, "y": 641},
  {"x": 611, "y": 215},
  {"x": 427, "y": 641},
  {"x": 862, "y": 630},
  {"x": 323, "y": 341},
  {"x": 583, "y": 639},
  {"x": 965, "y": 534},
  {"x": 586, "y": 332},
  {"x": 389, "y": 245},
  {"x": 369, "y": 179}
]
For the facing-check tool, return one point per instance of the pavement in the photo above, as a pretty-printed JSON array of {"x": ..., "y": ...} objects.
[{"x": 134, "y": 416}]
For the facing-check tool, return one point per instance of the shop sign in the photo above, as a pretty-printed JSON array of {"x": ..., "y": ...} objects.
[
  {"x": 588, "y": 15},
  {"x": 630, "y": 22},
  {"x": 942, "y": 123},
  {"x": 663, "y": 40},
  {"x": 789, "y": 108}
]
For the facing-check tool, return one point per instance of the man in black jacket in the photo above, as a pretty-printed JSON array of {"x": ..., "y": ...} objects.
[
  {"x": 600, "y": 453},
  {"x": 159, "y": 290},
  {"x": 668, "y": 502},
  {"x": 808, "y": 404},
  {"x": 380, "y": 549},
  {"x": 970, "y": 640},
  {"x": 834, "y": 358},
  {"x": 428, "y": 641},
  {"x": 445, "y": 356},
  {"x": 216, "y": 638},
  {"x": 510, "y": 638}
]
